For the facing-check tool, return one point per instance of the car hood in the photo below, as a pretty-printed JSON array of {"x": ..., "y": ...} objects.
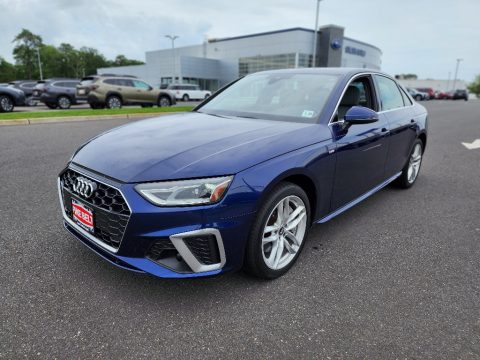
[{"x": 192, "y": 145}]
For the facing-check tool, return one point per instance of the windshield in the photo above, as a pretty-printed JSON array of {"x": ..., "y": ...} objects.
[{"x": 274, "y": 96}]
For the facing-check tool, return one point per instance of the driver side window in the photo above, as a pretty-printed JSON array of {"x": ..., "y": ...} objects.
[{"x": 358, "y": 93}]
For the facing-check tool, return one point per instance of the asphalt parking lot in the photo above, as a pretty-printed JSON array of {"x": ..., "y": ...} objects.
[{"x": 398, "y": 276}]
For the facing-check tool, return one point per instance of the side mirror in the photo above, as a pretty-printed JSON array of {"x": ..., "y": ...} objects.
[
  {"x": 150, "y": 88},
  {"x": 360, "y": 115}
]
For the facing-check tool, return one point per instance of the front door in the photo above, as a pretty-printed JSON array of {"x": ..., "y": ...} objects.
[{"x": 361, "y": 150}]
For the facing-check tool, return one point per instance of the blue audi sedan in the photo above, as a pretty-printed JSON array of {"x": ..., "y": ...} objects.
[{"x": 238, "y": 182}]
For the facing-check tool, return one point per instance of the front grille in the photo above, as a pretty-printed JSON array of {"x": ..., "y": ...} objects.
[
  {"x": 204, "y": 248},
  {"x": 104, "y": 197},
  {"x": 110, "y": 210}
]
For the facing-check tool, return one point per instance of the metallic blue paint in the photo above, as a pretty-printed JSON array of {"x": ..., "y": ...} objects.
[{"x": 344, "y": 164}]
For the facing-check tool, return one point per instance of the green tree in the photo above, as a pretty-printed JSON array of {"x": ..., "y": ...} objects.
[
  {"x": 121, "y": 60},
  {"x": 91, "y": 60},
  {"x": 7, "y": 71},
  {"x": 474, "y": 87},
  {"x": 25, "y": 53}
]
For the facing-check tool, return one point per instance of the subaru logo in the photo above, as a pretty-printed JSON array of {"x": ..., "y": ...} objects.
[
  {"x": 84, "y": 187},
  {"x": 336, "y": 44}
]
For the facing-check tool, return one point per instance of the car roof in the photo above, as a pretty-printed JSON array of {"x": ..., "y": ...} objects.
[{"x": 345, "y": 71}]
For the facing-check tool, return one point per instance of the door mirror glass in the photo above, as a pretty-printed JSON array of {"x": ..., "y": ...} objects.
[{"x": 360, "y": 115}]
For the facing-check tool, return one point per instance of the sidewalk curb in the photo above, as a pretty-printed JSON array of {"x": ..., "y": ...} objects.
[{"x": 53, "y": 120}]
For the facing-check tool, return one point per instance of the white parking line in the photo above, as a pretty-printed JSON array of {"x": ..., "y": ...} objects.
[{"x": 474, "y": 145}]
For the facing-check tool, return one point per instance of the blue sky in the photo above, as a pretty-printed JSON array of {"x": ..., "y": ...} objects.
[{"x": 416, "y": 36}]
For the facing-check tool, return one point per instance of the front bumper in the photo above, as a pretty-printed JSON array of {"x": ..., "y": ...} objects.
[{"x": 189, "y": 232}]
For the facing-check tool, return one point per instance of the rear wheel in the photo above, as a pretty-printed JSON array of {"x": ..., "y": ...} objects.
[
  {"x": 185, "y": 97},
  {"x": 412, "y": 168},
  {"x": 64, "y": 102},
  {"x": 114, "y": 102},
  {"x": 164, "y": 101},
  {"x": 6, "y": 104},
  {"x": 278, "y": 234}
]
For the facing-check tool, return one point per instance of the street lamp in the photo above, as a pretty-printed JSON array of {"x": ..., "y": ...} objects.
[
  {"x": 456, "y": 73},
  {"x": 173, "y": 38},
  {"x": 314, "y": 58},
  {"x": 39, "y": 63}
]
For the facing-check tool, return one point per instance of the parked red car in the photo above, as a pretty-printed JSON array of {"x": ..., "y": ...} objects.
[
  {"x": 440, "y": 95},
  {"x": 429, "y": 91}
]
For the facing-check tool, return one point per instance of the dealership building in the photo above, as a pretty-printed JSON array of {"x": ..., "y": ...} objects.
[{"x": 217, "y": 62}]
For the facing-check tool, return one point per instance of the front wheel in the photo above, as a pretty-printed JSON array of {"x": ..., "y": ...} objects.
[
  {"x": 412, "y": 168},
  {"x": 185, "y": 97},
  {"x": 278, "y": 234}
]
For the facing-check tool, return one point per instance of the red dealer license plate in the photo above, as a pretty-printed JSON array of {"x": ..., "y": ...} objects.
[{"x": 82, "y": 215}]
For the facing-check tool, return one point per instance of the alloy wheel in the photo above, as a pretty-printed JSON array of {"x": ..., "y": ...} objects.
[
  {"x": 6, "y": 104},
  {"x": 414, "y": 163},
  {"x": 114, "y": 103},
  {"x": 284, "y": 232}
]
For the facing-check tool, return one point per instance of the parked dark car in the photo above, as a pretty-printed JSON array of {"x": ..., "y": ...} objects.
[
  {"x": 429, "y": 91},
  {"x": 10, "y": 97},
  {"x": 238, "y": 181},
  {"x": 114, "y": 91},
  {"x": 460, "y": 94},
  {"x": 58, "y": 93},
  {"x": 27, "y": 87}
]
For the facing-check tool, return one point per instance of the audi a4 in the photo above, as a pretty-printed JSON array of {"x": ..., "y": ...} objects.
[{"x": 237, "y": 182}]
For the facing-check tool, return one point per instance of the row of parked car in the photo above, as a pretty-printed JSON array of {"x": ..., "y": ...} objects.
[
  {"x": 429, "y": 94},
  {"x": 99, "y": 91}
]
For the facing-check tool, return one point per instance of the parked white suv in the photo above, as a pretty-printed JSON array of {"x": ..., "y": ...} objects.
[{"x": 188, "y": 92}]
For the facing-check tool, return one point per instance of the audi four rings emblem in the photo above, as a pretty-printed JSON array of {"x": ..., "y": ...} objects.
[{"x": 84, "y": 187}]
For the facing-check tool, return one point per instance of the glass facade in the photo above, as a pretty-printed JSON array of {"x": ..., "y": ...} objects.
[{"x": 249, "y": 65}]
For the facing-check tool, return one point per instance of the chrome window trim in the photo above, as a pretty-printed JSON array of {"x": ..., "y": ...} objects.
[
  {"x": 341, "y": 121},
  {"x": 187, "y": 255},
  {"x": 78, "y": 228}
]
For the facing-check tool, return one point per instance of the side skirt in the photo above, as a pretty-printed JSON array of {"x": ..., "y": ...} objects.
[{"x": 357, "y": 200}]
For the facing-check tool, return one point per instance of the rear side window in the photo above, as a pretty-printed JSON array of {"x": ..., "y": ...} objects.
[
  {"x": 111, "y": 81},
  {"x": 390, "y": 96}
]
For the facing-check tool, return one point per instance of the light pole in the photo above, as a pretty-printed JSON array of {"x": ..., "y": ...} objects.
[
  {"x": 456, "y": 73},
  {"x": 315, "y": 34},
  {"x": 39, "y": 63},
  {"x": 173, "y": 38}
]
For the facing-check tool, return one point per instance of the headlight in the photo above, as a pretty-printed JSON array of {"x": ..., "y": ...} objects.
[{"x": 185, "y": 192}]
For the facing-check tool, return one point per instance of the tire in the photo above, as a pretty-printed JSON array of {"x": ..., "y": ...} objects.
[
  {"x": 51, "y": 105},
  {"x": 30, "y": 102},
  {"x": 258, "y": 254},
  {"x": 185, "y": 97},
  {"x": 418, "y": 97},
  {"x": 164, "y": 101},
  {"x": 6, "y": 103},
  {"x": 206, "y": 96},
  {"x": 64, "y": 102},
  {"x": 407, "y": 178},
  {"x": 114, "y": 102}
]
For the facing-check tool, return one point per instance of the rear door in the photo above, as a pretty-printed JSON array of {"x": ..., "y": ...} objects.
[
  {"x": 361, "y": 149},
  {"x": 143, "y": 92},
  {"x": 398, "y": 109}
]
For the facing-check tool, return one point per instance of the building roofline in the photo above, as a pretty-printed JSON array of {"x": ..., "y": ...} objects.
[
  {"x": 260, "y": 34},
  {"x": 363, "y": 43}
]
